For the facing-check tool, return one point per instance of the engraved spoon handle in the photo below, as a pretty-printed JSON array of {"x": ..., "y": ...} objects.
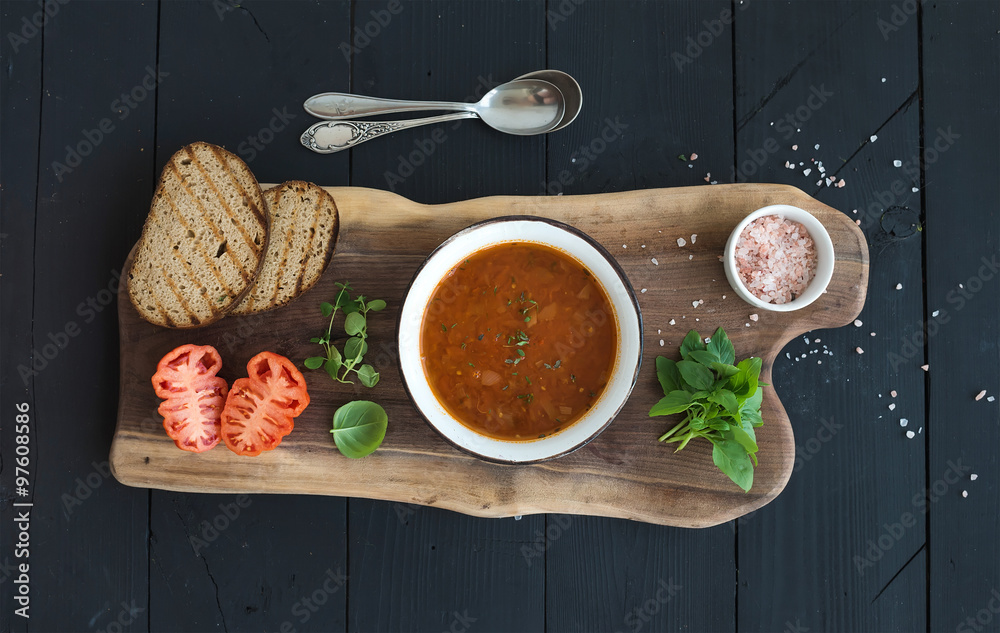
[
  {"x": 327, "y": 137},
  {"x": 340, "y": 106}
]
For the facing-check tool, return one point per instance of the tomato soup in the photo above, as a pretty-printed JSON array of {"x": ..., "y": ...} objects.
[{"x": 518, "y": 341}]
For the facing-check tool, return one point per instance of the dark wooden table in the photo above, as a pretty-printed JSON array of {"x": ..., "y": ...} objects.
[{"x": 874, "y": 531}]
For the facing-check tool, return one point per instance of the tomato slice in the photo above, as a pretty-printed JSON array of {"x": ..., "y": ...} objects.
[
  {"x": 260, "y": 409},
  {"x": 193, "y": 396}
]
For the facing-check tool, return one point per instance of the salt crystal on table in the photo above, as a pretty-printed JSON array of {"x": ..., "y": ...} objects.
[
  {"x": 694, "y": 304},
  {"x": 643, "y": 246},
  {"x": 925, "y": 367},
  {"x": 841, "y": 184},
  {"x": 723, "y": 296},
  {"x": 658, "y": 331},
  {"x": 892, "y": 406},
  {"x": 816, "y": 146},
  {"x": 643, "y": 291},
  {"x": 910, "y": 435},
  {"x": 673, "y": 322},
  {"x": 899, "y": 286},
  {"x": 858, "y": 222},
  {"x": 858, "y": 323},
  {"x": 708, "y": 339},
  {"x": 661, "y": 342},
  {"x": 690, "y": 257},
  {"x": 795, "y": 148},
  {"x": 873, "y": 138},
  {"x": 965, "y": 493},
  {"x": 694, "y": 238},
  {"x": 903, "y": 422},
  {"x": 935, "y": 313},
  {"x": 893, "y": 393},
  {"x": 806, "y": 339},
  {"x": 819, "y": 362},
  {"x": 693, "y": 156},
  {"x": 817, "y": 341},
  {"x": 973, "y": 477},
  {"x": 754, "y": 317},
  {"x": 624, "y": 246},
  {"x": 655, "y": 263},
  {"x": 979, "y": 396},
  {"x": 681, "y": 241},
  {"x": 788, "y": 356},
  {"x": 873, "y": 334},
  {"x": 897, "y": 163},
  {"x": 990, "y": 399},
  {"x": 915, "y": 189},
  {"x": 883, "y": 79},
  {"x": 859, "y": 350}
]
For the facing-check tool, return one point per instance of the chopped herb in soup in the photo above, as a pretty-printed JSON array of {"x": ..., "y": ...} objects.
[{"x": 518, "y": 341}]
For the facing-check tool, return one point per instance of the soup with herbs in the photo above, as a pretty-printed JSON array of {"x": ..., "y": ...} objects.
[{"x": 518, "y": 341}]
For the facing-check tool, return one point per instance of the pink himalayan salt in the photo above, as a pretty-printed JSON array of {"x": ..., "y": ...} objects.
[{"x": 775, "y": 258}]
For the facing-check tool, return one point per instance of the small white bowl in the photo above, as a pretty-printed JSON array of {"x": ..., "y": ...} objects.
[
  {"x": 584, "y": 250},
  {"x": 824, "y": 258}
]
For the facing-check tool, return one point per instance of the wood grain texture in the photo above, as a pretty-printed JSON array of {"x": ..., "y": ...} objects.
[
  {"x": 962, "y": 343},
  {"x": 384, "y": 238},
  {"x": 855, "y": 472}
]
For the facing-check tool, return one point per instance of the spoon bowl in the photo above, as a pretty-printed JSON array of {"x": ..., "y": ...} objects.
[
  {"x": 523, "y": 107},
  {"x": 571, "y": 92}
]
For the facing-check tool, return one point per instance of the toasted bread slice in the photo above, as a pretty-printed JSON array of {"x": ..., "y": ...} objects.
[
  {"x": 302, "y": 235},
  {"x": 203, "y": 242}
]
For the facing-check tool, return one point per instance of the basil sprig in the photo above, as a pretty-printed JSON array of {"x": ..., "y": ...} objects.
[
  {"x": 338, "y": 365},
  {"x": 720, "y": 402}
]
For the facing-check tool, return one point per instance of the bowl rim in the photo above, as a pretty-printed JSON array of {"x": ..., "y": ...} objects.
[
  {"x": 623, "y": 278},
  {"x": 822, "y": 239}
]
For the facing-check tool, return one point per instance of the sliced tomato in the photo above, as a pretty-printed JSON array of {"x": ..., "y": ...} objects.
[
  {"x": 260, "y": 408},
  {"x": 193, "y": 396}
]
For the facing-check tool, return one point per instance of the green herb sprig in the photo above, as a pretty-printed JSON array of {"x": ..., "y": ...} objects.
[
  {"x": 720, "y": 401},
  {"x": 337, "y": 365}
]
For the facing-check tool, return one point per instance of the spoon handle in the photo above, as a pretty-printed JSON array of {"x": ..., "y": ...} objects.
[
  {"x": 335, "y": 106},
  {"x": 327, "y": 137}
]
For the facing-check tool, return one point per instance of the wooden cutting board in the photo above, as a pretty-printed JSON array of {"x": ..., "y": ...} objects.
[{"x": 623, "y": 473}]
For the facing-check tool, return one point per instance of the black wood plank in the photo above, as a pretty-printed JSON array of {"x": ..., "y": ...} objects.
[
  {"x": 20, "y": 94},
  {"x": 647, "y": 100},
  {"x": 416, "y": 568},
  {"x": 89, "y": 534},
  {"x": 961, "y": 139},
  {"x": 236, "y": 74},
  {"x": 843, "y": 547}
]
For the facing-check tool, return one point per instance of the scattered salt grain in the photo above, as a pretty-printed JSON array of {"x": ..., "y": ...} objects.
[
  {"x": 694, "y": 238},
  {"x": 965, "y": 493},
  {"x": 897, "y": 163},
  {"x": 979, "y": 396},
  {"x": 990, "y": 399},
  {"x": 643, "y": 291},
  {"x": 708, "y": 339},
  {"x": 892, "y": 406},
  {"x": 624, "y": 246},
  {"x": 841, "y": 184},
  {"x": 893, "y": 393},
  {"x": 673, "y": 322},
  {"x": 694, "y": 156},
  {"x": 655, "y": 263},
  {"x": 754, "y": 317},
  {"x": 816, "y": 146},
  {"x": 899, "y": 286},
  {"x": 873, "y": 138},
  {"x": 935, "y": 313},
  {"x": 806, "y": 172},
  {"x": 903, "y": 421},
  {"x": 643, "y": 246},
  {"x": 883, "y": 79},
  {"x": 859, "y": 350},
  {"x": 872, "y": 334},
  {"x": 661, "y": 342},
  {"x": 858, "y": 323},
  {"x": 858, "y": 222},
  {"x": 925, "y": 367},
  {"x": 910, "y": 435},
  {"x": 795, "y": 148},
  {"x": 819, "y": 362},
  {"x": 973, "y": 477},
  {"x": 690, "y": 257},
  {"x": 681, "y": 241},
  {"x": 915, "y": 189}
]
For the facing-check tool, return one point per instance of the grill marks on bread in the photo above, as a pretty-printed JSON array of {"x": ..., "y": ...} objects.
[
  {"x": 303, "y": 223},
  {"x": 204, "y": 240}
]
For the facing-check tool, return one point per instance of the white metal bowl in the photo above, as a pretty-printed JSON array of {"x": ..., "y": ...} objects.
[
  {"x": 824, "y": 258},
  {"x": 584, "y": 250}
]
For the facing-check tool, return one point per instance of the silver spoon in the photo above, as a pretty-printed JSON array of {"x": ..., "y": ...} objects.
[
  {"x": 523, "y": 107},
  {"x": 572, "y": 94}
]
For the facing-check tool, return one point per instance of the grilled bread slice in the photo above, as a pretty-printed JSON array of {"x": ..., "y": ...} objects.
[
  {"x": 302, "y": 234},
  {"x": 203, "y": 242}
]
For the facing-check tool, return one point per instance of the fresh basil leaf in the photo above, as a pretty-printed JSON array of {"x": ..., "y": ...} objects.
[
  {"x": 691, "y": 342},
  {"x": 376, "y": 305},
  {"x": 354, "y": 324},
  {"x": 667, "y": 374},
  {"x": 705, "y": 357},
  {"x": 696, "y": 374},
  {"x": 332, "y": 366},
  {"x": 745, "y": 382},
  {"x": 721, "y": 346},
  {"x": 314, "y": 362},
  {"x": 368, "y": 376},
  {"x": 726, "y": 399},
  {"x": 718, "y": 424},
  {"x": 674, "y": 402},
  {"x": 359, "y": 428},
  {"x": 355, "y": 348},
  {"x": 745, "y": 439},
  {"x": 732, "y": 459},
  {"x": 697, "y": 424},
  {"x": 724, "y": 370}
]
